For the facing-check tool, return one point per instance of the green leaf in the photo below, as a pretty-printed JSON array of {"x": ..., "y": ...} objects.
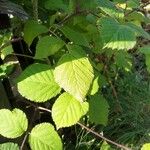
[
  {"x": 6, "y": 51},
  {"x": 145, "y": 50},
  {"x": 31, "y": 30},
  {"x": 74, "y": 72},
  {"x": 75, "y": 36},
  {"x": 139, "y": 31},
  {"x": 146, "y": 146},
  {"x": 44, "y": 137},
  {"x": 123, "y": 60},
  {"x": 55, "y": 5},
  {"x": 12, "y": 123},
  {"x": 7, "y": 68},
  {"x": 47, "y": 46},
  {"x": 37, "y": 83},
  {"x": 9, "y": 146},
  {"x": 98, "y": 109},
  {"x": 115, "y": 35},
  {"x": 67, "y": 110},
  {"x": 110, "y": 9},
  {"x": 106, "y": 146},
  {"x": 133, "y": 3},
  {"x": 95, "y": 86}
]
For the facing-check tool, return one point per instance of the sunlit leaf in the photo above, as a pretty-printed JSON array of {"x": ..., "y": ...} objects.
[
  {"x": 13, "y": 123},
  {"x": 74, "y": 73},
  {"x": 67, "y": 110},
  {"x": 44, "y": 137},
  {"x": 9, "y": 146},
  {"x": 37, "y": 83}
]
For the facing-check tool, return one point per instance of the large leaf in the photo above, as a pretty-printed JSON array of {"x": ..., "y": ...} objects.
[
  {"x": 37, "y": 83},
  {"x": 146, "y": 146},
  {"x": 47, "y": 46},
  {"x": 9, "y": 146},
  {"x": 67, "y": 111},
  {"x": 110, "y": 9},
  {"x": 98, "y": 109},
  {"x": 115, "y": 35},
  {"x": 44, "y": 137},
  {"x": 31, "y": 30},
  {"x": 75, "y": 36},
  {"x": 12, "y": 123},
  {"x": 74, "y": 72}
]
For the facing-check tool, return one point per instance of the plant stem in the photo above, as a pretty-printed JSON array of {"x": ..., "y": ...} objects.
[
  {"x": 104, "y": 138},
  {"x": 35, "y": 9}
]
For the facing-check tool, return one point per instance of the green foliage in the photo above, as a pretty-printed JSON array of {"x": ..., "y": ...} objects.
[
  {"x": 98, "y": 110},
  {"x": 48, "y": 46},
  {"x": 43, "y": 136},
  {"x": 13, "y": 123},
  {"x": 9, "y": 146},
  {"x": 116, "y": 36},
  {"x": 146, "y": 146},
  {"x": 71, "y": 111},
  {"x": 74, "y": 72},
  {"x": 37, "y": 83},
  {"x": 6, "y": 69},
  {"x": 82, "y": 54},
  {"x": 31, "y": 30}
]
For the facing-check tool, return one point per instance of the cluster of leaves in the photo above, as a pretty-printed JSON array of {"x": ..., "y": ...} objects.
[{"x": 81, "y": 46}]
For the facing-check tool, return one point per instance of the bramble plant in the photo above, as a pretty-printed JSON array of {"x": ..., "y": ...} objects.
[{"x": 78, "y": 49}]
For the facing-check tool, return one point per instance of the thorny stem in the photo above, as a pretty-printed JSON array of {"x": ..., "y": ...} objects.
[{"x": 93, "y": 132}]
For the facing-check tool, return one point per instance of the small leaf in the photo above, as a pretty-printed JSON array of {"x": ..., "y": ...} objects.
[
  {"x": 110, "y": 9},
  {"x": 12, "y": 123},
  {"x": 47, "y": 46},
  {"x": 7, "y": 68},
  {"x": 105, "y": 146},
  {"x": 37, "y": 83},
  {"x": 67, "y": 110},
  {"x": 31, "y": 30},
  {"x": 9, "y": 146},
  {"x": 95, "y": 86},
  {"x": 74, "y": 73},
  {"x": 98, "y": 109},
  {"x": 75, "y": 36},
  {"x": 44, "y": 137},
  {"x": 115, "y": 35},
  {"x": 146, "y": 146}
]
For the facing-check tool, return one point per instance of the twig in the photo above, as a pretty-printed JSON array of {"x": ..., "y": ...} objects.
[
  {"x": 93, "y": 132},
  {"x": 29, "y": 129},
  {"x": 22, "y": 55},
  {"x": 138, "y": 9},
  {"x": 24, "y": 140},
  {"x": 104, "y": 138}
]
